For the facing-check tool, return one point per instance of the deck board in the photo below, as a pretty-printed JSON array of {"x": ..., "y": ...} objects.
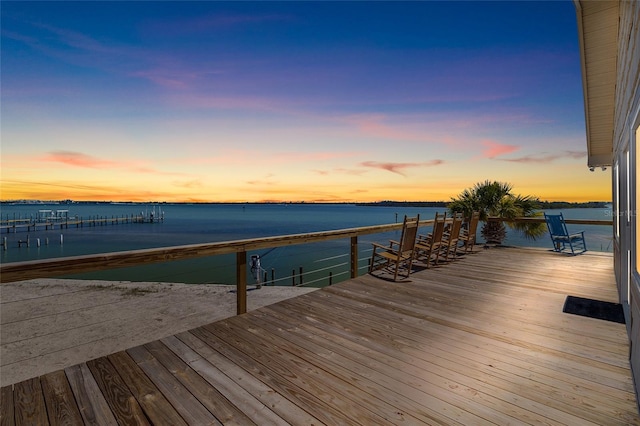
[{"x": 481, "y": 340}]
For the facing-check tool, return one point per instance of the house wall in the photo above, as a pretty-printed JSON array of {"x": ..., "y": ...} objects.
[{"x": 626, "y": 174}]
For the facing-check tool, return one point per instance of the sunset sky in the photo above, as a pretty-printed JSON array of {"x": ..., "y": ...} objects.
[{"x": 291, "y": 101}]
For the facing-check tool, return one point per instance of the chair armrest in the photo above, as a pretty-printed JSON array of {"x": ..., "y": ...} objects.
[{"x": 385, "y": 248}]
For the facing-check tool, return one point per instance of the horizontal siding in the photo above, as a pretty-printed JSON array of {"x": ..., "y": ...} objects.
[{"x": 628, "y": 74}]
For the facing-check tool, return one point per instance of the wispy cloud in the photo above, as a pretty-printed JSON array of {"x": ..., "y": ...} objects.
[
  {"x": 340, "y": 170},
  {"x": 79, "y": 159},
  {"x": 495, "y": 149},
  {"x": 399, "y": 167},
  {"x": 547, "y": 158},
  {"x": 375, "y": 126},
  {"x": 190, "y": 184},
  {"x": 217, "y": 22},
  {"x": 267, "y": 180}
]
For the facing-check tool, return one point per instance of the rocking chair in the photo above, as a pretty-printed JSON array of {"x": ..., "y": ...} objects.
[
  {"x": 398, "y": 254},
  {"x": 561, "y": 238}
]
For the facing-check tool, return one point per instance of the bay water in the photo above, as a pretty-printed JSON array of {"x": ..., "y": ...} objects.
[{"x": 203, "y": 223}]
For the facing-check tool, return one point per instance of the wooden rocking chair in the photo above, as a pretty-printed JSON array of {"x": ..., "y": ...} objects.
[
  {"x": 399, "y": 253},
  {"x": 451, "y": 238},
  {"x": 468, "y": 235},
  {"x": 428, "y": 247}
]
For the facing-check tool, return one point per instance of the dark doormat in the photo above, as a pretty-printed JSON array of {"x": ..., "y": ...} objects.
[{"x": 594, "y": 309}]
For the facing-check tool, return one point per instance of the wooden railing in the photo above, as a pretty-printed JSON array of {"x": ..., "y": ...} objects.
[{"x": 18, "y": 271}]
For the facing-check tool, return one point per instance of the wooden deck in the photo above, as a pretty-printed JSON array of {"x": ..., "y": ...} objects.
[{"x": 480, "y": 341}]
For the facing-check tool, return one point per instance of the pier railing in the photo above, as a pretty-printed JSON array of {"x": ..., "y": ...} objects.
[{"x": 18, "y": 271}]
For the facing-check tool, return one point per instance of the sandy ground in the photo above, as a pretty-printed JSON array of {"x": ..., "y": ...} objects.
[{"x": 50, "y": 324}]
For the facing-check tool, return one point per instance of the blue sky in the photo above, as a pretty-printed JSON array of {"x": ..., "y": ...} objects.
[{"x": 314, "y": 101}]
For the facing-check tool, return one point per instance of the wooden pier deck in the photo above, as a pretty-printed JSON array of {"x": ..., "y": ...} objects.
[
  {"x": 29, "y": 225},
  {"x": 482, "y": 340}
]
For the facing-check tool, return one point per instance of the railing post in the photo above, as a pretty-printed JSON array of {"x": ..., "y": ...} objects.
[
  {"x": 354, "y": 257},
  {"x": 241, "y": 282}
]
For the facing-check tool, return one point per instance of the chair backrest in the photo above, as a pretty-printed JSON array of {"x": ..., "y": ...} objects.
[
  {"x": 438, "y": 228},
  {"x": 556, "y": 225},
  {"x": 409, "y": 233},
  {"x": 455, "y": 226},
  {"x": 473, "y": 223}
]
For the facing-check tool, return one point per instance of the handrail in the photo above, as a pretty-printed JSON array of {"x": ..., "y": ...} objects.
[
  {"x": 18, "y": 271},
  {"x": 569, "y": 221}
]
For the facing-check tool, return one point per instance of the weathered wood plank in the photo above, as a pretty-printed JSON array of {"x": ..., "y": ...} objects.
[
  {"x": 28, "y": 401},
  {"x": 384, "y": 391},
  {"x": 122, "y": 403},
  {"x": 91, "y": 403},
  {"x": 61, "y": 404},
  {"x": 409, "y": 371},
  {"x": 307, "y": 397},
  {"x": 365, "y": 321},
  {"x": 432, "y": 361},
  {"x": 342, "y": 387},
  {"x": 257, "y": 412},
  {"x": 156, "y": 407},
  {"x": 6, "y": 405},
  {"x": 456, "y": 342},
  {"x": 182, "y": 400},
  {"x": 480, "y": 309},
  {"x": 252, "y": 388}
]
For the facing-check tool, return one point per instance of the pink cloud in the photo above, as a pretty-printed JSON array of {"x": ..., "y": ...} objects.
[
  {"x": 78, "y": 159},
  {"x": 495, "y": 149},
  {"x": 398, "y": 167}
]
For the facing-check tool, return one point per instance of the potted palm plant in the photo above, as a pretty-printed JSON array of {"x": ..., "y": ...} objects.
[{"x": 494, "y": 200}]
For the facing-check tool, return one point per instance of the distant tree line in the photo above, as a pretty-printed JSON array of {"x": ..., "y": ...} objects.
[
  {"x": 543, "y": 205},
  {"x": 405, "y": 204}
]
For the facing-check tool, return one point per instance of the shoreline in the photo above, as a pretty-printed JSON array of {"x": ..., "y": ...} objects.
[{"x": 50, "y": 324}]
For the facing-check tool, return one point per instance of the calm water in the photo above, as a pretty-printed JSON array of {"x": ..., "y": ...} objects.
[{"x": 201, "y": 223}]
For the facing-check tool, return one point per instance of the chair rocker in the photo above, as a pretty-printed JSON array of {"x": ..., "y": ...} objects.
[
  {"x": 399, "y": 254},
  {"x": 560, "y": 237}
]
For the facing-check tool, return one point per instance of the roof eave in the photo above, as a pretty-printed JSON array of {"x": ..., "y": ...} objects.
[{"x": 598, "y": 36}]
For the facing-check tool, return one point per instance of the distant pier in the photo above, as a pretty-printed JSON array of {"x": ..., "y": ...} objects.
[{"x": 61, "y": 220}]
